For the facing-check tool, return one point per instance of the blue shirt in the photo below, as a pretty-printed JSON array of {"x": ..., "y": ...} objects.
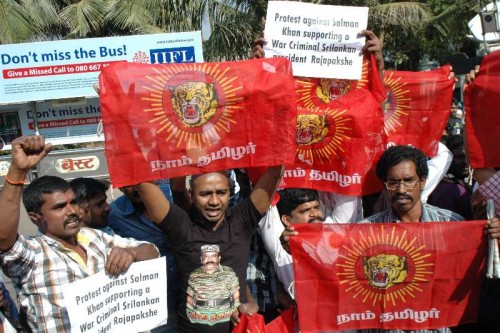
[{"x": 127, "y": 222}]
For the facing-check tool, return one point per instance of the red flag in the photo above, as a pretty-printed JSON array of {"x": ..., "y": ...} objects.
[
  {"x": 417, "y": 108},
  {"x": 163, "y": 121},
  {"x": 283, "y": 323},
  {"x": 388, "y": 275},
  {"x": 320, "y": 92},
  {"x": 482, "y": 119},
  {"x": 339, "y": 134},
  {"x": 250, "y": 324}
]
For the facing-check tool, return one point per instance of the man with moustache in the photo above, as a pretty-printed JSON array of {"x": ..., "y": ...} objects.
[
  {"x": 295, "y": 205},
  {"x": 403, "y": 170},
  {"x": 213, "y": 289},
  {"x": 61, "y": 252}
]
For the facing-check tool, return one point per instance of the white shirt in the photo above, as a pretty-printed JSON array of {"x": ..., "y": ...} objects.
[{"x": 270, "y": 228}]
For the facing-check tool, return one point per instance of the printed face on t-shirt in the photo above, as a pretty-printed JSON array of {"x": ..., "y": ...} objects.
[
  {"x": 210, "y": 261},
  {"x": 210, "y": 196}
]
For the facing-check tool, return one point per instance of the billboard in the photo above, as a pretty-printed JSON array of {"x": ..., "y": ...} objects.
[{"x": 69, "y": 68}]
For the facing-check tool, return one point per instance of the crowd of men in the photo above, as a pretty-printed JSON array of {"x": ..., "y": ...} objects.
[{"x": 227, "y": 253}]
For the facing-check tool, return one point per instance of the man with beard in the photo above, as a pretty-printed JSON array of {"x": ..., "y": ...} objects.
[
  {"x": 61, "y": 252},
  {"x": 90, "y": 195}
]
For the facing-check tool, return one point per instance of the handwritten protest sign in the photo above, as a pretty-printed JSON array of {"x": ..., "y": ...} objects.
[
  {"x": 133, "y": 302},
  {"x": 320, "y": 41}
]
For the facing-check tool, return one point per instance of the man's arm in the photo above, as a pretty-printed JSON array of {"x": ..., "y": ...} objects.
[
  {"x": 180, "y": 193},
  {"x": 263, "y": 192},
  {"x": 27, "y": 151},
  {"x": 438, "y": 166},
  {"x": 155, "y": 201},
  {"x": 374, "y": 45},
  {"x": 483, "y": 174}
]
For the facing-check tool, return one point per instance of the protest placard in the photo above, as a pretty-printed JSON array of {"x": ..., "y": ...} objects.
[
  {"x": 321, "y": 41},
  {"x": 135, "y": 301}
]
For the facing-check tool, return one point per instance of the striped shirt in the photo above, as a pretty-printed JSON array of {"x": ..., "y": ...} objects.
[
  {"x": 429, "y": 214},
  {"x": 261, "y": 277},
  {"x": 39, "y": 265}
]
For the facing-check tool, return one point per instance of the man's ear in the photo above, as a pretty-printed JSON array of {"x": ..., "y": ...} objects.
[
  {"x": 86, "y": 207},
  {"x": 286, "y": 220},
  {"x": 422, "y": 183},
  {"x": 36, "y": 218}
]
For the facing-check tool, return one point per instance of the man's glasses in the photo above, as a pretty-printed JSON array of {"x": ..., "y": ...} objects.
[{"x": 394, "y": 184}]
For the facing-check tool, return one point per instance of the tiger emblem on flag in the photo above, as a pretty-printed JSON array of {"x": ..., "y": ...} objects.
[
  {"x": 330, "y": 89},
  {"x": 385, "y": 270},
  {"x": 311, "y": 129},
  {"x": 194, "y": 103}
]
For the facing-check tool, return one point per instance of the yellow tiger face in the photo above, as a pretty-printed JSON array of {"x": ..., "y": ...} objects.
[
  {"x": 385, "y": 270},
  {"x": 330, "y": 89},
  {"x": 311, "y": 128},
  {"x": 194, "y": 103}
]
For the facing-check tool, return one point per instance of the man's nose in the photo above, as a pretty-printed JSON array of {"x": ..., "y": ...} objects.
[
  {"x": 72, "y": 209},
  {"x": 315, "y": 212},
  {"x": 401, "y": 188},
  {"x": 213, "y": 200}
]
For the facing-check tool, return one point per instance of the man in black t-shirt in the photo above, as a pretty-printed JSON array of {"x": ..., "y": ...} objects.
[{"x": 209, "y": 222}]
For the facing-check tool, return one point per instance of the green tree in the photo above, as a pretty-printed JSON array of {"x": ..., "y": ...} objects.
[{"x": 15, "y": 25}]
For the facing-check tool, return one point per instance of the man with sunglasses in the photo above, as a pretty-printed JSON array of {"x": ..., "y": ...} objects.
[{"x": 404, "y": 171}]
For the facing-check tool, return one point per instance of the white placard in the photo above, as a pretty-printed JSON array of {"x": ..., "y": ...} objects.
[
  {"x": 69, "y": 68},
  {"x": 321, "y": 41},
  {"x": 135, "y": 301}
]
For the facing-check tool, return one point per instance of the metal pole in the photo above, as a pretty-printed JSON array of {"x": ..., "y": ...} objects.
[
  {"x": 35, "y": 117},
  {"x": 33, "y": 173}
]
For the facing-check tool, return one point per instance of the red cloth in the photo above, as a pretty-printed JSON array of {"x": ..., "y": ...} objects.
[
  {"x": 316, "y": 92},
  {"x": 163, "y": 121},
  {"x": 341, "y": 280},
  {"x": 283, "y": 323},
  {"x": 482, "y": 119},
  {"x": 418, "y": 107},
  {"x": 250, "y": 324},
  {"x": 339, "y": 136}
]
